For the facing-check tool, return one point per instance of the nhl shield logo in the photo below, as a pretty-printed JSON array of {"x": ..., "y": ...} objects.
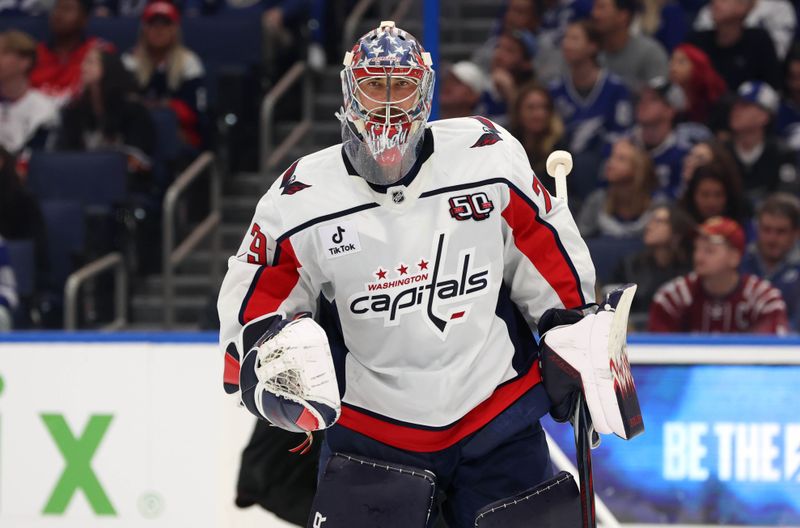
[{"x": 398, "y": 196}]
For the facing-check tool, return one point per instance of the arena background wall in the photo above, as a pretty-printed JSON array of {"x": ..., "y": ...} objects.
[{"x": 135, "y": 430}]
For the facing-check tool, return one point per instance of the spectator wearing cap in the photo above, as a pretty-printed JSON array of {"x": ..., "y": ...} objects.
[
  {"x": 691, "y": 68},
  {"x": 523, "y": 18},
  {"x": 8, "y": 290},
  {"x": 620, "y": 209},
  {"x": 462, "y": 87},
  {"x": 58, "y": 62},
  {"x": 511, "y": 67},
  {"x": 167, "y": 73},
  {"x": 26, "y": 115},
  {"x": 767, "y": 165},
  {"x": 594, "y": 103},
  {"x": 537, "y": 126},
  {"x": 788, "y": 119},
  {"x": 777, "y": 17},
  {"x": 636, "y": 58},
  {"x": 715, "y": 297},
  {"x": 737, "y": 52},
  {"x": 660, "y": 103},
  {"x": 775, "y": 254}
]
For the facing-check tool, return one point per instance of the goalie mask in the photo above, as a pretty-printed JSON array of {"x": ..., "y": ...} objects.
[{"x": 387, "y": 82}]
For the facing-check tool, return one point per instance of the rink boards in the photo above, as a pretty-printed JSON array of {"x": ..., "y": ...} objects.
[{"x": 133, "y": 430}]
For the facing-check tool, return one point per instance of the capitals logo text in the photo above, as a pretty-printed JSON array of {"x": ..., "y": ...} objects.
[{"x": 433, "y": 291}]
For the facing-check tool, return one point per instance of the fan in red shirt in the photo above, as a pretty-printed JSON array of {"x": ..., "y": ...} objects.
[
  {"x": 715, "y": 297},
  {"x": 58, "y": 62}
]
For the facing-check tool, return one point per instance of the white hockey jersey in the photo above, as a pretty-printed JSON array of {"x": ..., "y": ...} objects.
[{"x": 428, "y": 289}]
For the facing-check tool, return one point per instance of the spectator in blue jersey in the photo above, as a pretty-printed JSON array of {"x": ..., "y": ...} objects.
[
  {"x": 168, "y": 74},
  {"x": 8, "y": 290},
  {"x": 775, "y": 254},
  {"x": 767, "y": 165},
  {"x": 668, "y": 240},
  {"x": 711, "y": 192},
  {"x": 788, "y": 119},
  {"x": 663, "y": 20},
  {"x": 620, "y": 209},
  {"x": 737, "y": 52},
  {"x": 594, "y": 104},
  {"x": 537, "y": 126},
  {"x": 659, "y": 105},
  {"x": 777, "y": 17},
  {"x": 634, "y": 57}
]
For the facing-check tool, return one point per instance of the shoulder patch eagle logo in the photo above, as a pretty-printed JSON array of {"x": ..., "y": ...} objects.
[
  {"x": 490, "y": 133},
  {"x": 289, "y": 182}
]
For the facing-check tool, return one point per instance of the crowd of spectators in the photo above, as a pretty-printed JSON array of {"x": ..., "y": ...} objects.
[
  {"x": 682, "y": 116},
  {"x": 684, "y": 121}
]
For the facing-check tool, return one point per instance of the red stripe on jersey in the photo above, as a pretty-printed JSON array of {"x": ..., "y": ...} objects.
[
  {"x": 274, "y": 284},
  {"x": 426, "y": 441},
  {"x": 306, "y": 421},
  {"x": 539, "y": 245},
  {"x": 231, "y": 372}
]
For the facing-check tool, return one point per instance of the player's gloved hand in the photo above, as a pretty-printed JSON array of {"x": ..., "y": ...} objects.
[
  {"x": 590, "y": 356},
  {"x": 287, "y": 376},
  {"x": 561, "y": 381}
]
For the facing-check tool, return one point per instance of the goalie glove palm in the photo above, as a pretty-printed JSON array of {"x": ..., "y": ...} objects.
[{"x": 288, "y": 377}]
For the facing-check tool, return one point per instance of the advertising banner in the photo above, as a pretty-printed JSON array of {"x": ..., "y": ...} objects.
[
  {"x": 117, "y": 434},
  {"x": 132, "y": 434},
  {"x": 721, "y": 446}
]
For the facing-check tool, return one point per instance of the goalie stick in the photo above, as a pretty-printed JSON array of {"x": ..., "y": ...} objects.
[{"x": 559, "y": 165}]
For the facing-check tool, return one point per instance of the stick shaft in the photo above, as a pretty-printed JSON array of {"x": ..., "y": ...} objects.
[
  {"x": 561, "y": 182},
  {"x": 584, "y": 453}
]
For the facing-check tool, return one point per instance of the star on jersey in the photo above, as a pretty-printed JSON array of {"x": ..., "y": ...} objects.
[{"x": 432, "y": 293}]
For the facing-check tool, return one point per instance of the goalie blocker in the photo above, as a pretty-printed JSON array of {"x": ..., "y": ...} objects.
[{"x": 589, "y": 354}]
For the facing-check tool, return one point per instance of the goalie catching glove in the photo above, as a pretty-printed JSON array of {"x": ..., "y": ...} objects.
[
  {"x": 589, "y": 354},
  {"x": 287, "y": 376}
]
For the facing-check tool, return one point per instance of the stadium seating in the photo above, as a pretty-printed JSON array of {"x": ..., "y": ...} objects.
[
  {"x": 66, "y": 236},
  {"x": 21, "y": 255},
  {"x": 607, "y": 252},
  {"x": 97, "y": 180}
]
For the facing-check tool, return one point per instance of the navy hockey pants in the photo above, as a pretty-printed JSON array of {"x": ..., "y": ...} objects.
[{"x": 506, "y": 456}]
